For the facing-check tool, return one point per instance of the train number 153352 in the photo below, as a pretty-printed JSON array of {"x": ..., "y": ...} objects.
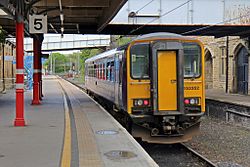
[{"x": 192, "y": 88}]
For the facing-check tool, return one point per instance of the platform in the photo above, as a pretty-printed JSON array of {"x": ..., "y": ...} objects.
[
  {"x": 68, "y": 129},
  {"x": 218, "y": 95}
]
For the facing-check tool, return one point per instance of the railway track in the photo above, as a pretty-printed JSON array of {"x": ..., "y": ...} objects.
[
  {"x": 199, "y": 156},
  {"x": 175, "y": 155}
]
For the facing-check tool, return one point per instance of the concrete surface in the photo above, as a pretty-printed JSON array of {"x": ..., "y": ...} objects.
[
  {"x": 221, "y": 96},
  {"x": 39, "y": 143},
  {"x": 94, "y": 119}
]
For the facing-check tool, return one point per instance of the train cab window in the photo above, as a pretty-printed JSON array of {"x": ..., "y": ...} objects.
[
  {"x": 192, "y": 60},
  {"x": 140, "y": 61}
]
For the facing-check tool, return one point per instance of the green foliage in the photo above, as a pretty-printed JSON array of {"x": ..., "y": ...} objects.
[
  {"x": 74, "y": 61},
  {"x": 123, "y": 41},
  {"x": 61, "y": 63},
  {"x": 2, "y": 35},
  {"x": 85, "y": 54}
]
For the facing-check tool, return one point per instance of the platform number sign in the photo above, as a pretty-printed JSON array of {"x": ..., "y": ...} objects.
[{"x": 38, "y": 24}]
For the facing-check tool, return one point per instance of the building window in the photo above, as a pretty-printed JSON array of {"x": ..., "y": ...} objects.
[{"x": 223, "y": 63}]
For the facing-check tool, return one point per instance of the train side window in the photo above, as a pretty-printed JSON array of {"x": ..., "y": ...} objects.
[
  {"x": 112, "y": 71},
  {"x": 97, "y": 70},
  {"x": 120, "y": 73},
  {"x": 94, "y": 70},
  {"x": 86, "y": 70},
  {"x": 107, "y": 71},
  {"x": 89, "y": 67},
  {"x": 89, "y": 70},
  {"x": 103, "y": 71}
]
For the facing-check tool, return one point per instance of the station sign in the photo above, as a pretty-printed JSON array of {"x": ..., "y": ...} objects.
[{"x": 38, "y": 24}]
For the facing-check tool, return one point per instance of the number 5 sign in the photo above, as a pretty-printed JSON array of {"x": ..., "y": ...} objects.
[{"x": 38, "y": 24}]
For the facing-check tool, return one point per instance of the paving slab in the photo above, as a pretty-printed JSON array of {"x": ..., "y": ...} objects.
[
  {"x": 39, "y": 143},
  {"x": 64, "y": 130},
  {"x": 99, "y": 149},
  {"x": 219, "y": 95}
]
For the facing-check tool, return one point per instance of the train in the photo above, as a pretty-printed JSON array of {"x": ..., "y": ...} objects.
[{"x": 155, "y": 83}]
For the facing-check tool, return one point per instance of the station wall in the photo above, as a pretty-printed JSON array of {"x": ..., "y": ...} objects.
[
  {"x": 238, "y": 68},
  {"x": 7, "y": 60}
]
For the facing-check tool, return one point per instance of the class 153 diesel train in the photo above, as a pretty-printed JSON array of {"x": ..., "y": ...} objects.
[{"x": 155, "y": 84}]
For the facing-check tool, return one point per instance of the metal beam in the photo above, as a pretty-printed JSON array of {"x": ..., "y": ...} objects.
[
  {"x": 109, "y": 13},
  {"x": 75, "y": 3}
]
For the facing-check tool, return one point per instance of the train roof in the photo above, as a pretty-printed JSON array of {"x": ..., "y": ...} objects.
[
  {"x": 158, "y": 35},
  {"x": 161, "y": 35},
  {"x": 102, "y": 55}
]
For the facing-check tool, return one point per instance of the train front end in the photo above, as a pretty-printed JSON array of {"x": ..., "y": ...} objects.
[{"x": 165, "y": 88}]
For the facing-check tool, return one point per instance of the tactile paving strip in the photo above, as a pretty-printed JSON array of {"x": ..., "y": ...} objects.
[{"x": 88, "y": 150}]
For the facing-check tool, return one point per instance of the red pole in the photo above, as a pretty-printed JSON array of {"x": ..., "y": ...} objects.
[
  {"x": 19, "y": 120},
  {"x": 40, "y": 69},
  {"x": 36, "y": 90}
]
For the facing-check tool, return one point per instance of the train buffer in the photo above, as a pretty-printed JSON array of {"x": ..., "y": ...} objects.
[{"x": 67, "y": 129}]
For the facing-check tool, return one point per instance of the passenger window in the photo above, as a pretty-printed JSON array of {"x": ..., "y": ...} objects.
[
  {"x": 112, "y": 71},
  {"x": 108, "y": 71},
  {"x": 120, "y": 72},
  {"x": 103, "y": 70},
  {"x": 94, "y": 70}
]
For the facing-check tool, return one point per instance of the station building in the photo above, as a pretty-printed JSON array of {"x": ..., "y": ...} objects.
[
  {"x": 238, "y": 64},
  {"x": 7, "y": 65}
]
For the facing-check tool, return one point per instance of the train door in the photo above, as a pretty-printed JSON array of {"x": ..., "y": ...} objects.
[
  {"x": 167, "y": 78},
  {"x": 118, "y": 81},
  {"x": 167, "y": 86}
]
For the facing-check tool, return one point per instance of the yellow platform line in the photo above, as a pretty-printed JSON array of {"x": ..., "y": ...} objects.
[{"x": 66, "y": 154}]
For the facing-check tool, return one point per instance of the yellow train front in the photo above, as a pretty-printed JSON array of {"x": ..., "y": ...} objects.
[{"x": 156, "y": 83}]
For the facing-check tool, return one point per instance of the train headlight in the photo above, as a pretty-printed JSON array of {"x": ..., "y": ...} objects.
[
  {"x": 141, "y": 102},
  {"x": 192, "y": 101}
]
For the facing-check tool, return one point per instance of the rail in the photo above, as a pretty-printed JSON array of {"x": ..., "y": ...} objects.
[
  {"x": 199, "y": 156},
  {"x": 236, "y": 113}
]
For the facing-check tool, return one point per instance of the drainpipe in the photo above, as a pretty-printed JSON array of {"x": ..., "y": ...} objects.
[
  {"x": 227, "y": 62},
  {"x": 3, "y": 90}
]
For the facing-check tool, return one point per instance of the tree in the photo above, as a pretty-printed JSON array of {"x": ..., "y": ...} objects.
[
  {"x": 64, "y": 63},
  {"x": 60, "y": 61},
  {"x": 85, "y": 54}
]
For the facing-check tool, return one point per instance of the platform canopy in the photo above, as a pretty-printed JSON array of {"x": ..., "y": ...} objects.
[
  {"x": 183, "y": 29},
  {"x": 94, "y": 16},
  {"x": 66, "y": 14}
]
